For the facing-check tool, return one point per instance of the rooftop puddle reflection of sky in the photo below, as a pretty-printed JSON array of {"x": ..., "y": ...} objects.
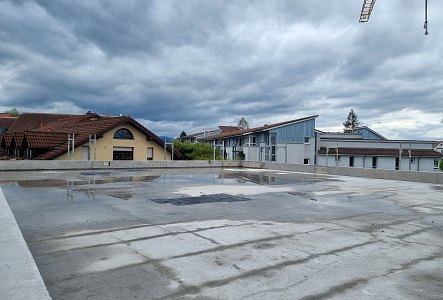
[{"x": 126, "y": 184}]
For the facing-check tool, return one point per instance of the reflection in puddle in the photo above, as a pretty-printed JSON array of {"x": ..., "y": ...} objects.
[
  {"x": 113, "y": 183},
  {"x": 214, "y": 198},
  {"x": 271, "y": 179}
]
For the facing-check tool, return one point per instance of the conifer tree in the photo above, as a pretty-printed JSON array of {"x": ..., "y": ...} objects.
[
  {"x": 351, "y": 121},
  {"x": 243, "y": 124},
  {"x": 13, "y": 112}
]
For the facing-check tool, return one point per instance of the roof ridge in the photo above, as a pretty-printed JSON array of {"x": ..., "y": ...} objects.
[{"x": 260, "y": 128}]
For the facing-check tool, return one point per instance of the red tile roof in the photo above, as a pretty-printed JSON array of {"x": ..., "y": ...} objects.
[
  {"x": 90, "y": 124},
  {"x": 6, "y": 122},
  {"x": 5, "y": 115},
  {"x": 7, "y": 139},
  {"x": 31, "y": 121},
  {"x": 381, "y": 152},
  {"x": 224, "y": 128},
  {"x": 256, "y": 129},
  {"x": 50, "y": 131},
  {"x": 194, "y": 134},
  {"x": 44, "y": 140},
  {"x": 18, "y": 137}
]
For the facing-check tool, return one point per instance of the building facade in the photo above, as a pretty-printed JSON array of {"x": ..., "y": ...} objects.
[
  {"x": 81, "y": 137},
  {"x": 365, "y": 148},
  {"x": 298, "y": 142},
  {"x": 286, "y": 142}
]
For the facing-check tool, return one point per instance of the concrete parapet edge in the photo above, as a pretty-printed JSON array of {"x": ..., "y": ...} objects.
[
  {"x": 32, "y": 165},
  {"x": 20, "y": 277},
  {"x": 426, "y": 177}
]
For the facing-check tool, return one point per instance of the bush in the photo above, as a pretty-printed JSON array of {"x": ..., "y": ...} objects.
[
  {"x": 440, "y": 165},
  {"x": 196, "y": 151}
]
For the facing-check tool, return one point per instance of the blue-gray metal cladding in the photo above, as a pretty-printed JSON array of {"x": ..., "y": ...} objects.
[
  {"x": 367, "y": 135},
  {"x": 261, "y": 137},
  {"x": 295, "y": 133}
]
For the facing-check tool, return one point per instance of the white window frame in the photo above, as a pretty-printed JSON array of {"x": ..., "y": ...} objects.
[
  {"x": 309, "y": 140},
  {"x": 250, "y": 142},
  {"x": 147, "y": 153}
]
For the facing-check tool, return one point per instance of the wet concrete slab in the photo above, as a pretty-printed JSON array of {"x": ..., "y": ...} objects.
[{"x": 229, "y": 234}]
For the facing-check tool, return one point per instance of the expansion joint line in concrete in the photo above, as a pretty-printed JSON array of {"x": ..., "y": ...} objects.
[
  {"x": 339, "y": 289},
  {"x": 255, "y": 272},
  {"x": 211, "y": 250},
  {"x": 98, "y": 232},
  {"x": 129, "y": 241}
]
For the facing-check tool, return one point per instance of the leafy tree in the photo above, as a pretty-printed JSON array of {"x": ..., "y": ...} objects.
[
  {"x": 440, "y": 166},
  {"x": 243, "y": 124},
  {"x": 183, "y": 134},
  {"x": 196, "y": 151},
  {"x": 351, "y": 121},
  {"x": 13, "y": 112}
]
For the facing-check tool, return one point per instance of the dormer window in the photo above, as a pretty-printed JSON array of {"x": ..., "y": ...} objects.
[{"x": 124, "y": 134}]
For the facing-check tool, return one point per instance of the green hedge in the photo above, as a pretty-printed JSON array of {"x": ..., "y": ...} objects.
[
  {"x": 440, "y": 166},
  {"x": 196, "y": 151}
]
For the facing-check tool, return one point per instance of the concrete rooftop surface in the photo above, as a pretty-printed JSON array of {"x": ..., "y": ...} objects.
[{"x": 229, "y": 234}]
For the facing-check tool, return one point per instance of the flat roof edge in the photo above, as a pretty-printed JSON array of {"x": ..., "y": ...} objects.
[{"x": 21, "y": 279}]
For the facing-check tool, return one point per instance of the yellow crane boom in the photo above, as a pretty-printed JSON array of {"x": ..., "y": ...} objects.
[
  {"x": 368, "y": 6},
  {"x": 366, "y": 10}
]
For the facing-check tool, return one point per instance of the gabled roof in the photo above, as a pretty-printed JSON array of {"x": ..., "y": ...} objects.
[
  {"x": 224, "y": 128},
  {"x": 194, "y": 134},
  {"x": 89, "y": 124},
  {"x": 380, "y": 152},
  {"x": 44, "y": 140},
  {"x": 7, "y": 139},
  {"x": 18, "y": 137},
  {"x": 370, "y": 130},
  {"x": 6, "y": 115},
  {"x": 207, "y": 133},
  {"x": 31, "y": 121},
  {"x": 258, "y": 129},
  {"x": 6, "y": 122}
]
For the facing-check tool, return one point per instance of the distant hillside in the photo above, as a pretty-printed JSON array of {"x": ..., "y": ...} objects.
[{"x": 167, "y": 138}]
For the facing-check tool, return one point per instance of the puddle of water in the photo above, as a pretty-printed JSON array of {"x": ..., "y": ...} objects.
[
  {"x": 277, "y": 179},
  {"x": 216, "y": 181},
  {"x": 213, "y": 198}
]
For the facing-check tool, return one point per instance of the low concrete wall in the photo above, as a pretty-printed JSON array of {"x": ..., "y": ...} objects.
[
  {"x": 428, "y": 177},
  {"x": 20, "y": 277},
  {"x": 29, "y": 165}
]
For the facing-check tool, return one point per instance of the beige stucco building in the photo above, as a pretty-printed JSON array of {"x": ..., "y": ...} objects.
[
  {"x": 82, "y": 137},
  {"x": 110, "y": 148}
]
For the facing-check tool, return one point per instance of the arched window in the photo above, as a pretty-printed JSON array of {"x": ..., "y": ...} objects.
[{"x": 123, "y": 133}]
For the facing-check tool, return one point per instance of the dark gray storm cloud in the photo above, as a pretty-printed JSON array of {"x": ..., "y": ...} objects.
[{"x": 188, "y": 65}]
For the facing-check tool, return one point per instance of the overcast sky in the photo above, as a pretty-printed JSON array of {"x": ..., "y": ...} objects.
[{"x": 190, "y": 65}]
